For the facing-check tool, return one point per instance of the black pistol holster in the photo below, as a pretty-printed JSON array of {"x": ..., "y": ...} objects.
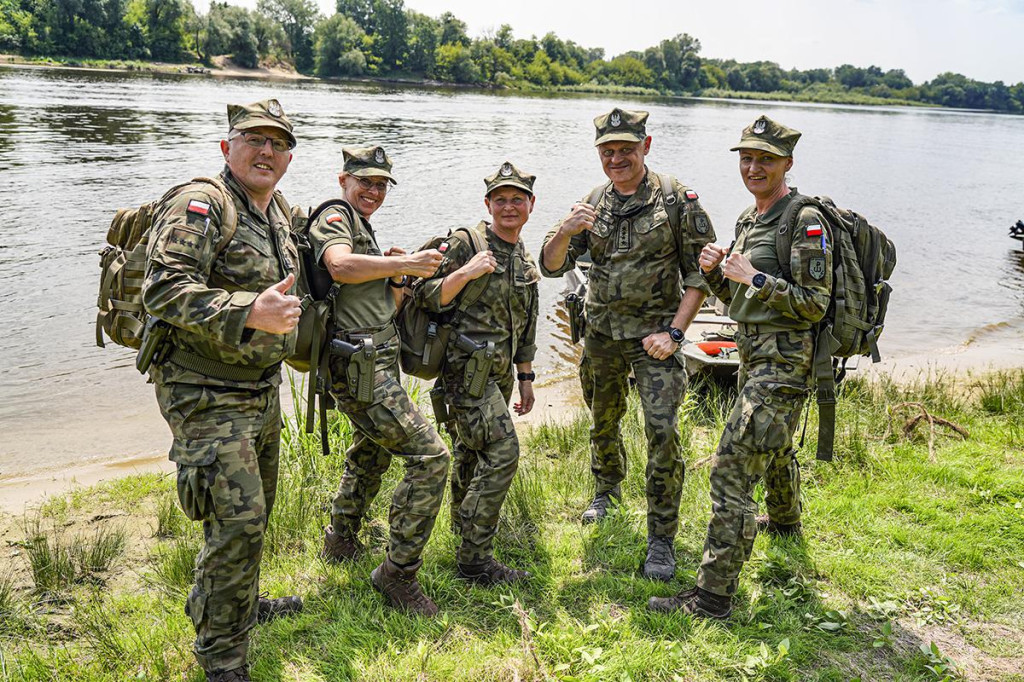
[
  {"x": 361, "y": 357},
  {"x": 478, "y": 368}
]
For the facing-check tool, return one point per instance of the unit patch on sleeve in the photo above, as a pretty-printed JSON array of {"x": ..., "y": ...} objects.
[{"x": 816, "y": 267}]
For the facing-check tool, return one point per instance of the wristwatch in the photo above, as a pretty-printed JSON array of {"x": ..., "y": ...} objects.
[
  {"x": 398, "y": 285},
  {"x": 526, "y": 376},
  {"x": 758, "y": 280},
  {"x": 675, "y": 334}
]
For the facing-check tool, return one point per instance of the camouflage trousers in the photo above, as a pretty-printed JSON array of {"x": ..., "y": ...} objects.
[
  {"x": 226, "y": 446},
  {"x": 486, "y": 457},
  {"x": 660, "y": 385},
  {"x": 757, "y": 443},
  {"x": 389, "y": 425}
]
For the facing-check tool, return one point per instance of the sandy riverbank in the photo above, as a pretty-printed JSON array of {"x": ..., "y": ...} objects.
[
  {"x": 222, "y": 67},
  {"x": 1001, "y": 348}
]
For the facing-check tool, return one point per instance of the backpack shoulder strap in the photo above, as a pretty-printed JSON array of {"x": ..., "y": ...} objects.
[
  {"x": 330, "y": 203},
  {"x": 229, "y": 214},
  {"x": 788, "y": 223},
  {"x": 596, "y": 193},
  {"x": 476, "y": 240}
]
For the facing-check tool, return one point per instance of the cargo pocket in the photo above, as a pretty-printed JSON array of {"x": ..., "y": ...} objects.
[
  {"x": 194, "y": 460},
  {"x": 481, "y": 423},
  {"x": 773, "y": 415},
  {"x": 730, "y": 528}
]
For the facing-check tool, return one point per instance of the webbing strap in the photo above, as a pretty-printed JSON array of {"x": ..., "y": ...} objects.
[
  {"x": 826, "y": 394},
  {"x": 219, "y": 370}
]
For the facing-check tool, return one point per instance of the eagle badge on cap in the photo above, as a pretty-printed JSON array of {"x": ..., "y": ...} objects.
[
  {"x": 378, "y": 155},
  {"x": 760, "y": 125},
  {"x": 615, "y": 120},
  {"x": 274, "y": 108},
  {"x": 506, "y": 170}
]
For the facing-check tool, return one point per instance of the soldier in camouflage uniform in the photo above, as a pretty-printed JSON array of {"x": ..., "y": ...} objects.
[
  {"x": 232, "y": 320},
  {"x": 645, "y": 289},
  {"x": 504, "y": 313},
  {"x": 776, "y": 307},
  {"x": 387, "y": 422}
]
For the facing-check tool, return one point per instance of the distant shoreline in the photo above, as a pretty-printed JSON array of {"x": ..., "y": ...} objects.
[{"x": 223, "y": 68}]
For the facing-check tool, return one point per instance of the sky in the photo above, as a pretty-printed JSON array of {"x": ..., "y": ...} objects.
[{"x": 982, "y": 39}]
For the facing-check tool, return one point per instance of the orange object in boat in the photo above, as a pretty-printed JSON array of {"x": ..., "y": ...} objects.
[{"x": 716, "y": 347}]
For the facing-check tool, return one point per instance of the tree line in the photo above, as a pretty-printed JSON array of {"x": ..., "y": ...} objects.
[{"x": 381, "y": 38}]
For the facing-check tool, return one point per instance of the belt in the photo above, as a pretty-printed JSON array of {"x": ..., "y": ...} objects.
[
  {"x": 220, "y": 370},
  {"x": 753, "y": 329},
  {"x": 376, "y": 337}
]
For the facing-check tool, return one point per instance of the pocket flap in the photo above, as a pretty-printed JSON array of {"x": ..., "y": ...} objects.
[{"x": 195, "y": 453}]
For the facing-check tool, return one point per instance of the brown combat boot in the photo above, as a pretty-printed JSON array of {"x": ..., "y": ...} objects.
[
  {"x": 268, "y": 609},
  {"x": 779, "y": 530},
  {"x": 402, "y": 589},
  {"x": 490, "y": 573},
  {"x": 235, "y": 675},
  {"x": 340, "y": 547},
  {"x": 694, "y": 601}
]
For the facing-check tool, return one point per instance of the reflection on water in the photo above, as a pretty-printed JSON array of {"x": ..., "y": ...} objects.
[{"x": 76, "y": 146}]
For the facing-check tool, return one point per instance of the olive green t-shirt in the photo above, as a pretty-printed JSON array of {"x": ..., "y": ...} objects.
[{"x": 358, "y": 307}]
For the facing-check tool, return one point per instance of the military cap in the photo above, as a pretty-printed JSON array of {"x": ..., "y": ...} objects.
[
  {"x": 768, "y": 136},
  {"x": 364, "y": 162},
  {"x": 619, "y": 124},
  {"x": 509, "y": 176},
  {"x": 265, "y": 114}
]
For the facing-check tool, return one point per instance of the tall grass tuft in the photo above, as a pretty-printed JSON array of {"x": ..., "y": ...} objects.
[
  {"x": 171, "y": 522},
  {"x": 51, "y": 559},
  {"x": 174, "y": 563},
  {"x": 1003, "y": 393},
  {"x": 98, "y": 553}
]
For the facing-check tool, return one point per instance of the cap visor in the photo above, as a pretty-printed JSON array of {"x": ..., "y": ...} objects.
[
  {"x": 373, "y": 172},
  {"x": 762, "y": 146},
  {"x": 511, "y": 182},
  {"x": 266, "y": 123},
  {"x": 618, "y": 137}
]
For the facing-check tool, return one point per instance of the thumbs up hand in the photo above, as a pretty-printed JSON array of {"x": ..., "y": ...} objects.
[{"x": 275, "y": 311}]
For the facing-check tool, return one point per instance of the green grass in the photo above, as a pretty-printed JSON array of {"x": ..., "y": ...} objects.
[{"x": 910, "y": 567}]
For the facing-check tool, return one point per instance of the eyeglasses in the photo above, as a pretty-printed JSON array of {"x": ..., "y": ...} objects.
[
  {"x": 280, "y": 145},
  {"x": 381, "y": 186}
]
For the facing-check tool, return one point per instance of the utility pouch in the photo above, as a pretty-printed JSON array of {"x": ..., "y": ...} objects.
[
  {"x": 360, "y": 367},
  {"x": 478, "y": 368},
  {"x": 155, "y": 346},
  {"x": 574, "y": 306},
  {"x": 440, "y": 405}
]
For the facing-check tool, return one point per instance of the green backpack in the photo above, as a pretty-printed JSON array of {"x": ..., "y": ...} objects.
[
  {"x": 863, "y": 259},
  {"x": 122, "y": 315},
  {"x": 318, "y": 290},
  {"x": 424, "y": 334}
]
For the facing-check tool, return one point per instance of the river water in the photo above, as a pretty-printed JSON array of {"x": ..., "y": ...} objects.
[{"x": 75, "y": 146}]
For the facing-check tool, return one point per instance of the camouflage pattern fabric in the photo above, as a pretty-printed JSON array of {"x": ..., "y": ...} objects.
[
  {"x": 226, "y": 445},
  {"x": 794, "y": 300},
  {"x": 757, "y": 443},
  {"x": 660, "y": 385},
  {"x": 638, "y": 276},
  {"x": 205, "y": 293},
  {"x": 486, "y": 448},
  {"x": 390, "y": 425},
  {"x": 226, "y": 433},
  {"x": 506, "y": 312}
]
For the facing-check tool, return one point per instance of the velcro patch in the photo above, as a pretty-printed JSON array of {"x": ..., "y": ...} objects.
[
  {"x": 814, "y": 230},
  {"x": 334, "y": 218},
  {"x": 200, "y": 207},
  {"x": 691, "y": 195},
  {"x": 443, "y": 247},
  {"x": 816, "y": 267}
]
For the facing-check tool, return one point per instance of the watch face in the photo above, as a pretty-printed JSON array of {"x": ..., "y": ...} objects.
[
  {"x": 676, "y": 335},
  {"x": 758, "y": 280}
]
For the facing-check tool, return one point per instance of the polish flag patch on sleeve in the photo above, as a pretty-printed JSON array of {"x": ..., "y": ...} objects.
[
  {"x": 691, "y": 195},
  {"x": 196, "y": 206},
  {"x": 334, "y": 218},
  {"x": 443, "y": 247},
  {"x": 814, "y": 230}
]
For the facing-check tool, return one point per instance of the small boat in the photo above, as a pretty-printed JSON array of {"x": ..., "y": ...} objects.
[{"x": 1017, "y": 232}]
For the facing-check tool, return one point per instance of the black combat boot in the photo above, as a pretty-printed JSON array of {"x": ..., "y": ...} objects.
[
  {"x": 694, "y": 601},
  {"x": 661, "y": 559},
  {"x": 598, "y": 509},
  {"x": 236, "y": 675},
  {"x": 491, "y": 572},
  {"x": 268, "y": 609},
  {"x": 402, "y": 589},
  {"x": 340, "y": 547},
  {"x": 779, "y": 530}
]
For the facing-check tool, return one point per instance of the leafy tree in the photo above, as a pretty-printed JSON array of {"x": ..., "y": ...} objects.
[
  {"x": 361, "y": 11},
  {"x": 337, "y": 47},
  {"x": 455, "y": 64},
  {"x": 392, "y": 31},
  {"x": 453, "y": 30},
  {"x": 297, "y": 18},
  {"x": 424, "y": 37},
  {"x": 165, "y": 29}
]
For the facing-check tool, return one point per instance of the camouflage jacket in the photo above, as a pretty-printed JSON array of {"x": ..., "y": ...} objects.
[
  {"x": 206, "y": 294},
  {"x": 640, "y": 267},
  {"x": 781, "y": 304},
  {"x": 505, "y": 313}
]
